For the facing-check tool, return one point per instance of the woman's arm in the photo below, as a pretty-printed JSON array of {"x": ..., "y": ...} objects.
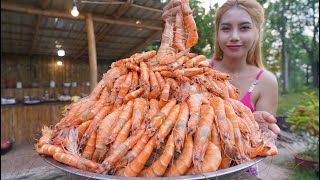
[{"x": 267, "y": 103}]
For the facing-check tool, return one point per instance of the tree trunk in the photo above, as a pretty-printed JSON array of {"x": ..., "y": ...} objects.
[
  {"x": 284, "y": 53},
  {"x": 315, "y": 73}
]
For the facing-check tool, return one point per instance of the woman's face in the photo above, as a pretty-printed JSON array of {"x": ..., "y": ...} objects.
[{"x": 236, "y": 34}]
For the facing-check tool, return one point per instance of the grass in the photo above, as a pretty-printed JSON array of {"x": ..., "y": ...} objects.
[{"x": 299, "y": 174}]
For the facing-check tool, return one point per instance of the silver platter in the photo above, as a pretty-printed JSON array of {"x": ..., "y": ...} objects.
[{"x": 221, "y": 174}]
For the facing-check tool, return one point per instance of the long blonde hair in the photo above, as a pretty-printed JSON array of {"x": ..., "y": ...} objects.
[{"x": 256, "y": 12}]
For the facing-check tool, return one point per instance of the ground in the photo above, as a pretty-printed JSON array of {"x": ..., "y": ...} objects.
[{"x": 23, "y": 163}]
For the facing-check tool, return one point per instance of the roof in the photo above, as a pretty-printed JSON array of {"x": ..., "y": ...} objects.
[{"x": 38, "y": 27}]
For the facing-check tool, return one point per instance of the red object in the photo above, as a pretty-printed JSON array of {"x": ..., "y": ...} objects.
[{"x": 5, "y": 146}]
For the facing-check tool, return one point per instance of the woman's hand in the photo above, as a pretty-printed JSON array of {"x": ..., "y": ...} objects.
[{"x": 266, "y": 120}]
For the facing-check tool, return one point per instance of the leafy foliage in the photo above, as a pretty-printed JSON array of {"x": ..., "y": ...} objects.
[{"x": 305, "y": 122}]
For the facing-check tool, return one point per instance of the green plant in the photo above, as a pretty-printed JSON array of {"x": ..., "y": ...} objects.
[{"x": 305, "y": 123}]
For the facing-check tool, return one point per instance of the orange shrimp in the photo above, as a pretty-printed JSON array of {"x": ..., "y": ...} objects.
[
  {"x": 125, "y": 87},
  {"x": 233, "y": 91},
  {"x": 165, "y": 92},
  {"x": 139, "y": 111},
  {"x": 119, "y": 82},
  {"x": 189, "y": 71},
  {"x": 211, "y": 162},
  {"x": 144, "y": 56},
  {"x": 184, "y": 161},
  {"x": 159, "y": 167},
  {"x": 123, "y": 118},
  {"x": 160, "y": 68},
  {"x": 75, "y": 161},
  {"x": 95, "y": 123},
  {"x": 93, "y": 110},
  {"x": 134, "y": 82},
  {"x": 48, "y": 149},
  {"x": 179, "y": 35},
  {"x": 47, "y": 135},
  {"x": 178, "y": 63},
  {"x": 153, "y": 110},
  {"x": 131, "y": 66},
  {"x": 144, "y": 75},
  {"x": 97, "y": 89},
  {"x": 224, "y": 125},
  {"x": 157, "y": 120},
  {"x": 202, "y": 135},
  {"x": 231, "y": 115},
  {"x": 166, "y": 53},
  {"x": 123, "y": 134},
  {"x": 160, "y": 79},
  {"x": 134, "y": 168},
  {"x": 194, "y": 104},
  {"x": 120, "y": 151},
  {"x": 127, "y": 158},
  {"x": 153, "y": 81},
  {"x": 180, "y": 128},
  {"x": 90, "y": 146},
  {"x": 184, "y": 91},
  {"x": 215, "y": 137},
  {"x": 217, "y": 74},
  {"x": 133, "y": 94},
  {"x": 121, "y": 62},
  {"x": 192, "y": 37},
  {"x": 112, "y": 74},
  {"x": 106, "y": 125},
  {"x": 167, "y": 125},
  {"x": 82, "y": 128},
  {"x": 195, "y": 60}
]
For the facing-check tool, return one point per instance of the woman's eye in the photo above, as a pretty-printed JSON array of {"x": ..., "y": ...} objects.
[
  {"x": 245, "y": 28},
  {"x": 225, "y": 28}
]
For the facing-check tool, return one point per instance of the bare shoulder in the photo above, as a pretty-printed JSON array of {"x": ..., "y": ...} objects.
[{"x": 269, "y": 78}]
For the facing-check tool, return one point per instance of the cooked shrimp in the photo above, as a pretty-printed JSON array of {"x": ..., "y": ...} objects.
[
  {"x": 180, "y": 128},
  {"x": 158, "y": 119},
  {"x": 159, "y": 167},
  {"x": 194, "y": 104},
  {"x": 167, "y": 125},
  {"x": 139, "y": 111},
  {"x": 123, "y": 118},
  {"x": 90, "y": 146},
  {"x": 202, "y": 135},
  {"x": 48, "y": 149}
]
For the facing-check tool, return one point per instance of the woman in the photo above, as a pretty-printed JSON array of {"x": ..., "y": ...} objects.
[{"x": 238, "y": 34}]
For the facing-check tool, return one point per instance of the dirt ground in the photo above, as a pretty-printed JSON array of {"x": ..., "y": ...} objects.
[{"x": 23, "y": 163}]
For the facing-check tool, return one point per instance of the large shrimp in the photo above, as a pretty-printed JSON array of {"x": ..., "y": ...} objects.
[
  {"x": 224, "y": 125},
  {"x": 184, "y": 160},
  {"x": 191, "y": 27},
  {"x": 180, "y": 128},
  {"x": 119, "y": 152},
  {"x": 153, "y": 110},
  {"x": 167, "y": 125},
  {"x": 123, "y": 118},
  {"x": 132, "y": 154},
  {"x": 112, "y": 75},
  {"x": 133, "y": 94},
  {"x": 166, "y": 53},
  {"x": 158, "y": 119},
  {"x": 134, "y": 168},
  {"x": 211, "y": 162},
  {"x": 159, "y": 167},
  {"x": 134, "y": 82},
  {"x": 48, "y": 149},
  {"x": 202, "y": 135},
  {"x": 90, "y": 146},
  {"x": 179, "y": 40},
  {"x": 139, "y": 111},
  {"x": 106, "y": 126},
  {"x": 47, "y": 135},
  {"x": 194, "y": 103}
]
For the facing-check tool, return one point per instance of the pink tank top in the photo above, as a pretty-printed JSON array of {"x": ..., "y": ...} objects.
[{"x": 246, "y": 100}]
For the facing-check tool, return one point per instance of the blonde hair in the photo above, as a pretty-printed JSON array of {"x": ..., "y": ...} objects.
[{"x": 256, "y": 12}]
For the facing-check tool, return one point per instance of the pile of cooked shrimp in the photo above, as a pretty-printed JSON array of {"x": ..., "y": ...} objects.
[{"x": 164, "y": 113}]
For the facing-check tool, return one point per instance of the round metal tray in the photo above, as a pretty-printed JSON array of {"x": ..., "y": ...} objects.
[{"x": 222, "y": 173}]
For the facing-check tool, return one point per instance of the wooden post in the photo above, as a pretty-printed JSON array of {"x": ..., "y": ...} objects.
[{"x": 92, "y": 52}]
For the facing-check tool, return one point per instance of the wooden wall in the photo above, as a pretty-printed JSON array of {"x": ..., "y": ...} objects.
[
  {"x": 22, "y": 123},
  {"x": 42, "y": 69}
]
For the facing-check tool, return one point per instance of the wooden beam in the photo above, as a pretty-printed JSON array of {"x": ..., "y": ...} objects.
[
  {"x": 16, "y": 7},
  {"x": 92, "y": 52}
]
